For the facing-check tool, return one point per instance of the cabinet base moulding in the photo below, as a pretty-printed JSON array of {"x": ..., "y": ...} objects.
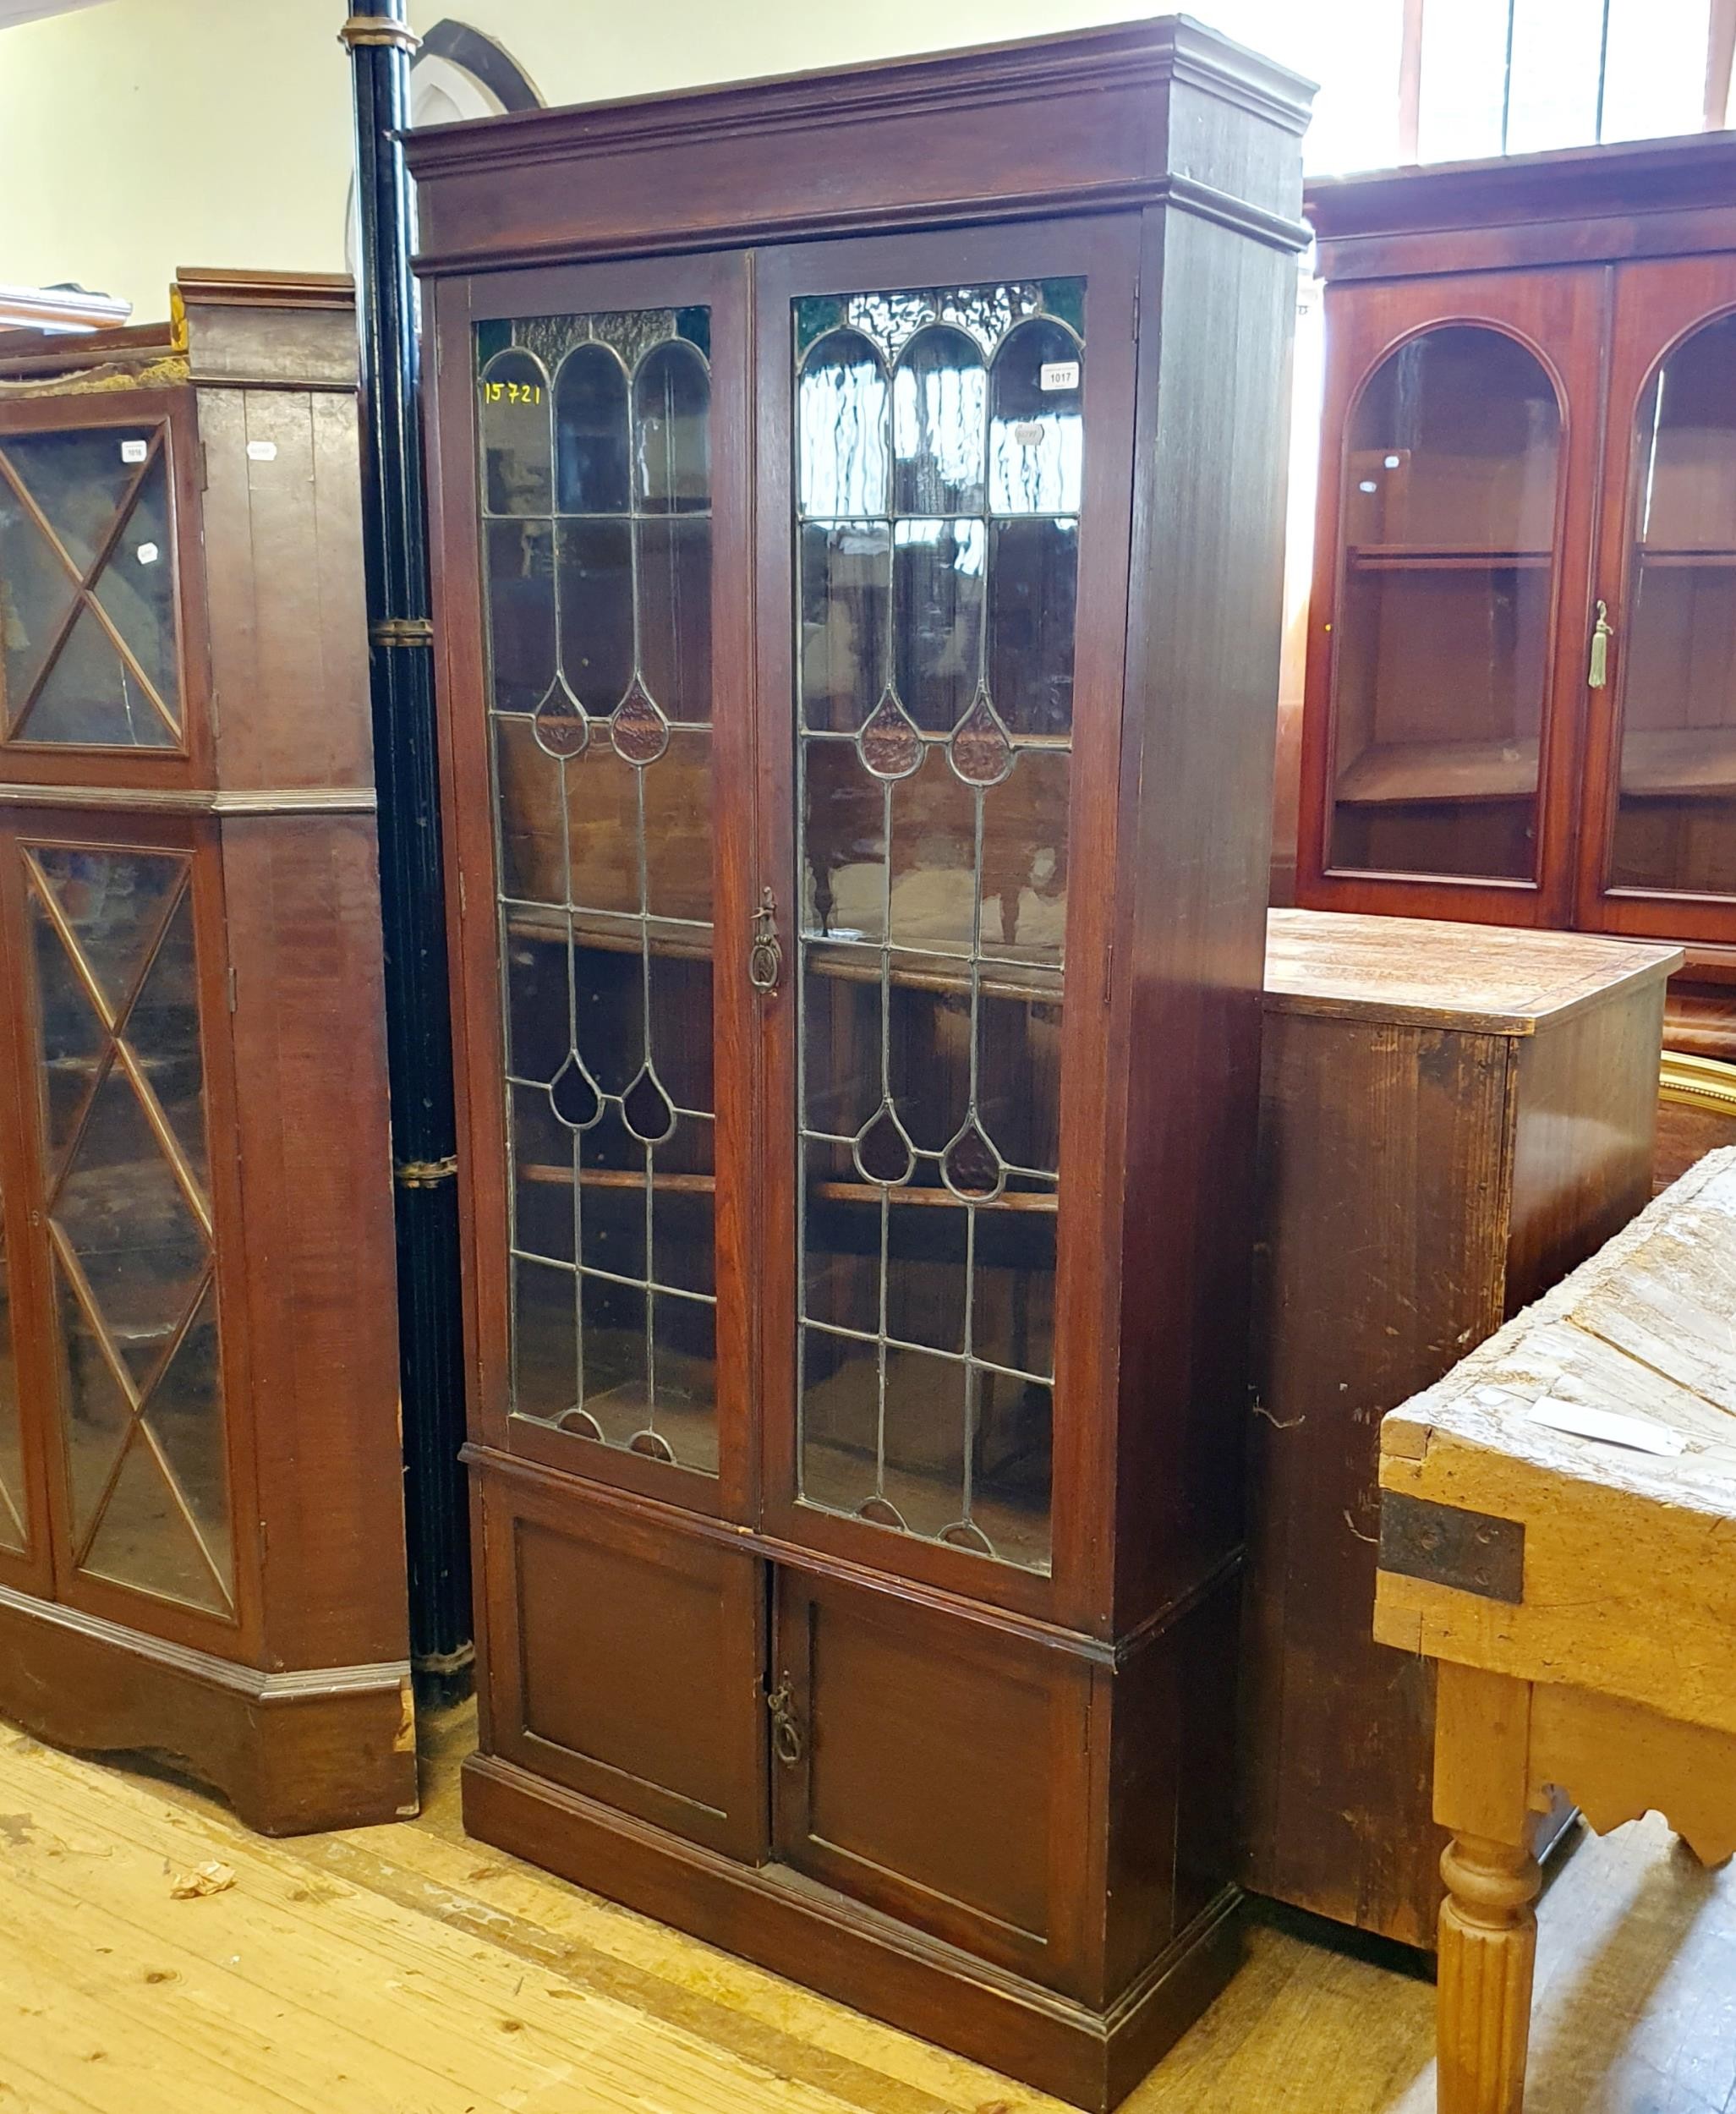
[
  {"x": 293, "y": 1752},
  {"x": 784, "y": 1921}
]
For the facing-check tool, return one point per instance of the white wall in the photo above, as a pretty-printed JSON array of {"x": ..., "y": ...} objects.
[{"x": 137, "y": 135}]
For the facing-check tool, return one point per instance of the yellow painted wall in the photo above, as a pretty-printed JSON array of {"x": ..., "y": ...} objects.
[{"x": 141, "y": 135}]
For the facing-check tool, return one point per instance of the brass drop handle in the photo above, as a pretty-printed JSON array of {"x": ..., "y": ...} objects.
[
  {"x": 765, "y": 957},
  {"x": 786, "y": 1741},
  {"x": 1597, "y": 674}
]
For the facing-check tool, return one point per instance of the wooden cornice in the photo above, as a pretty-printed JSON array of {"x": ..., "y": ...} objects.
[
  {"x": 1575, "y": 205},
  {"x": 1173, "y": 47},
  {"x": 1071, "y": 124}
]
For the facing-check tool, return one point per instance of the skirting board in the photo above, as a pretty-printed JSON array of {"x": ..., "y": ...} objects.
[
  {"x": 826, "y": 1941},
  {"x": 293, "y": 1752}
]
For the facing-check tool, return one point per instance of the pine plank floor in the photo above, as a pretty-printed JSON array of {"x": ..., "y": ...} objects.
[{"x": 408, "y": 1970}]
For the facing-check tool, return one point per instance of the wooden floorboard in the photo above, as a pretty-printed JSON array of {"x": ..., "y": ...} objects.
[{"x": 408, "y": 1970}]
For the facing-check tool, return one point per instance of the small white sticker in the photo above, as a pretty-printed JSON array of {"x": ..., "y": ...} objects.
[
  {"x": 147, "y": 554},
  {"x": 262, "y": 451},
  {"x": 135, "y": 451},
  {"x": 1582, "y": 1420},
  {"x": 1028, "y": 433},
  {"x": 1059, "y": 374}
]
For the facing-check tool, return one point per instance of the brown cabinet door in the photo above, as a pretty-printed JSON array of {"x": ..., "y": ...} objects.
[
  {"x": 117, "y": 1203},
  {"x": 932, "y": 1768},
  {"x": 945, "y": 423},
  {"x": 592, "y": 480},
  {"x": 103, "y": 664},
  {"x": 625, "y": 1659},
  {"x": 1445, "y": 674},
  {"x": 1658, "y": 842}
]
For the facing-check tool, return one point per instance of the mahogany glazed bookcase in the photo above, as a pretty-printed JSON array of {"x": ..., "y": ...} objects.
[
  {"x": 201, "y": 1513},
  {"x": 1519, "y": 705},
  {"x": 858, "y": 538}
]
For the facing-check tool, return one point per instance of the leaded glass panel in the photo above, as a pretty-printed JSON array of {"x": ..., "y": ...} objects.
[
  {"x": 121, "y": 1100},
  {"x": 939, "y": 480},
  {"x": 88, "y": 651},
  {"x": 596, "y": 536}
]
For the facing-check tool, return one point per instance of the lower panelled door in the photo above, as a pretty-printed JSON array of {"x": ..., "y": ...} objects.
[
  {"x": 624, "y": 1659},
  {"x": 933, "y": 1767}
]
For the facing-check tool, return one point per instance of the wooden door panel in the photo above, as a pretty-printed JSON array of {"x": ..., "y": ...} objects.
[
  {"x": 624, "y": 1659},
  {"x": 1659, "y": 820},
  {"x": 938, "y": 1775},
  {"x": 591, "y": 476},
  {"x": 1435, "y": 805}
]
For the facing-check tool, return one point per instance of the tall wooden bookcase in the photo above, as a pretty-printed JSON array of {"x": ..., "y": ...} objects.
[
  {"x": 201, "y": 1518},
  {"x": 857, "y": 525},
  {"x": 1518, "y": 704}
]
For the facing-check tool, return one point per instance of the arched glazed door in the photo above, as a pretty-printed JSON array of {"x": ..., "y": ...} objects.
[
  {"x": 1660, "y": 825},
  {"x": 1441, "y": 595}
]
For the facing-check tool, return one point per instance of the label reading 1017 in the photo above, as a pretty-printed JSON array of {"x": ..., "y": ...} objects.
[{"x": 1059, "y": 374}]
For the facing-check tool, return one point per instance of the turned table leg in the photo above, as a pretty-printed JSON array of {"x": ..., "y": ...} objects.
[{"x": 1488, "y": 1927}]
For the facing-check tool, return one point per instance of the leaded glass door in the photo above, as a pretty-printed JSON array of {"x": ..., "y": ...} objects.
[
  {"x": 939, "y": 432},
  {"x": 611, "y": 528}
]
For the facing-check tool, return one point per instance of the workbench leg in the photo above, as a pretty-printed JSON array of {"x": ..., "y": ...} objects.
[{"x": 1488, "y": 1929}]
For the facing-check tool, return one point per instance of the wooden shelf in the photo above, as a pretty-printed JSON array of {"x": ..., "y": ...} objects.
[
  {"x": 1680, "y": 763},
  {"x": 1399, "y": 774},
  {"x": 1417, "y": 557},
  {"x": 1039, "y": 1201}
]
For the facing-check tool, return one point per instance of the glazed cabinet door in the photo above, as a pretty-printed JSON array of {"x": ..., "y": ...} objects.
[
  {"x": 103, "y": 665},
  {"x": 1450, "y": 595},
  {"x": 1659, "y": 838},
  {"x": 945, "y": 431},
  {"x": 120, "y": 1216},
  {"x": 592, "y": 466}
]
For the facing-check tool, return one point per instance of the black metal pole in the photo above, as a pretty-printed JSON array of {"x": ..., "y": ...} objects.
[{"x": 419, "y": 1028}]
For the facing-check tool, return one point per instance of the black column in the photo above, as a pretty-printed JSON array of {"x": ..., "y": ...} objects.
[{"x": 419, "y": 1026}]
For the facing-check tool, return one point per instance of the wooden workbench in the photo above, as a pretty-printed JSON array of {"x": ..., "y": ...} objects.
[{"x": 1559, "y": 1533}]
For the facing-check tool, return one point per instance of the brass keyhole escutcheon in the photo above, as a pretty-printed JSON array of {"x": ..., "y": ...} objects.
[
  {"x": 787, "y": 1743},
  {"x": 765, "y": 956}
]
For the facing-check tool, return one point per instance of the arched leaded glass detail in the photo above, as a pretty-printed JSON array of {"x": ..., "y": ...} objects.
[
  {"x": 1451, "y": 484},
  {"x": 599, "y": 668},
  {"x": 938, "y": 465},
  {"x": 1675, "y": 819}
]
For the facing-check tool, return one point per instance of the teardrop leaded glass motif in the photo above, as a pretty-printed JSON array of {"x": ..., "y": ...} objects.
[
  {"x": 939, "y": 456},
  {"x": 595, "y": 490},
  {"x": 889, "y": 745},
  {"x": 981, "y": 752}
]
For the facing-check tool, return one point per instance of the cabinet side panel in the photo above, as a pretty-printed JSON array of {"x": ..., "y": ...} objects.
[
  {"x": 1586, "y": 1127},
  {"x": 1172, "y": 1752},
  {"x": 304, "y": 909},
  {"x": 1203, "y": 686},
  {"x": 1382, "y": 1185},
  {"x": 283, "y": 576}
]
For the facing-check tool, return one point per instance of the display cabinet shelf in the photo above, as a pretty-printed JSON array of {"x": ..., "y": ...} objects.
[{"x": 1440, "y": 770}]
